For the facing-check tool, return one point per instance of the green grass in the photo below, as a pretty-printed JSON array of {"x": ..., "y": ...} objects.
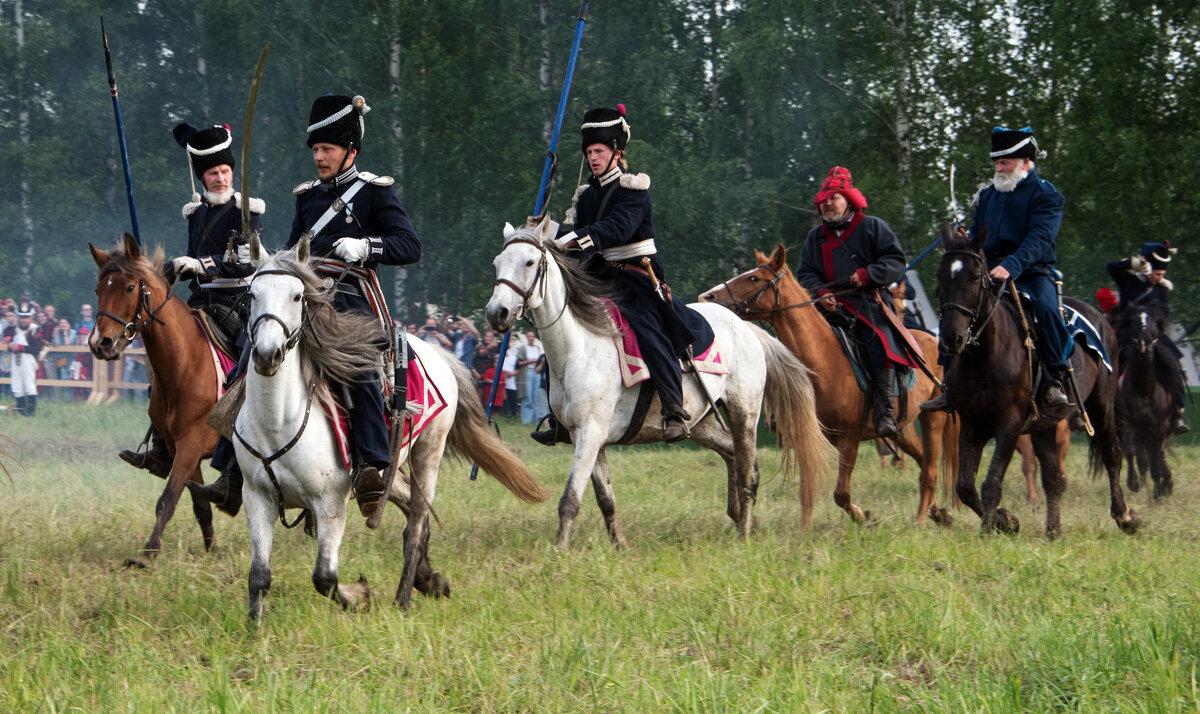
[{"x": 891, "y": 617}]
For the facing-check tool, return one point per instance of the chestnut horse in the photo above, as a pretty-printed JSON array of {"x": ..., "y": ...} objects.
[
  {"x": 133, "y": 296},
  {"x": 990, "y": 388},
  {"x": 770, "y": 292}
]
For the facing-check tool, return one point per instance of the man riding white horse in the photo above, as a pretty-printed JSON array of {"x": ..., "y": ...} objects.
[
  {"x": 615, "y": 231},
  {"x": 355, "y": 222}
]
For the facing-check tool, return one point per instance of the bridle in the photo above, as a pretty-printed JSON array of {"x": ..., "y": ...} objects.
[
  {"x": 293, "y": 336},
  {"x": 134, "y": 324},
  {"x": 539, "y": 282},
  {"x": 985, "y": 292},
  {"x": 742, "y": 307}
]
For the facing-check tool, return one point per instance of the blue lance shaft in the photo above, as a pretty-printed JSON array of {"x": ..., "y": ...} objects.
[
  {"x": 112, "y": 88},
  {"x": 547, "y": 171}
]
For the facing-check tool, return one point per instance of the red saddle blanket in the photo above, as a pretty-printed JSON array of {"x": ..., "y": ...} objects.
[
  {"x": 425, "y": 401},
  {"x": 633, "y": 367},
  {"x": 222, "y": 363}
]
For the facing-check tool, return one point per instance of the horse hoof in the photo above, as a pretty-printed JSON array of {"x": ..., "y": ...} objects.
[
  {"x": 1007, "y": 521},
  {"x": 1131, "y": 523},
  {"x": 941, "y": 516},
  {"x": 136, "y": 564},
  {"x": 869, "y": 518}
]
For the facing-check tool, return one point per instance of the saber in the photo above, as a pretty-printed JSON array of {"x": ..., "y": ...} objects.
[
  {"x": 538, "y": 205},
  {"x": 112, "y": 88},
  {"x": 246, "y": 128}
]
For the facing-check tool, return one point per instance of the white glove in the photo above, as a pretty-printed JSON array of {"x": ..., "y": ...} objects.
[
  {"x": 351, "y": 250},
  {"x": 243, "y": 254},
  {"x": 185, "y": 264},
  {"x": 566, "y": 240}
]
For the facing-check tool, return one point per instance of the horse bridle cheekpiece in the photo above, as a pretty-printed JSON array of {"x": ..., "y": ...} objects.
[
  {"x": 137, "y": 322},
  {"x": 742, "y": 307},
  {"x": 293, "y": 336},
  {"x": 985, "y": 290}
]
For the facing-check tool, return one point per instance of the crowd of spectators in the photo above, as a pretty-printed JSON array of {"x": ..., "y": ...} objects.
[
  {"x": 523, "y": 373},
  {"x": 58, "y": 328}
]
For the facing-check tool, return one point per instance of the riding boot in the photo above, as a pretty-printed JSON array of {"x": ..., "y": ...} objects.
[
  {"x": 157, "y": 460},
  {"x": 1178, "y": 425},
  {"x": 30, "y": 405},
  {"x": 1053, "y": 394},
  {"x": 554, "y": 433},
  {"x": 674, "y": 424},
  {"x": 20, "y": 408},
  {"x": 885, "y": 412},
  {"x": 367, "y": 485},
  {"x": 225, "y": 493}
]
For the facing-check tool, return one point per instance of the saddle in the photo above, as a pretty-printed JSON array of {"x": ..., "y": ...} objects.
[{"x": 222, "y": 327}]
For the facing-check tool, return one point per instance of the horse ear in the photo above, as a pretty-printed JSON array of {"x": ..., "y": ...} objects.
[
  {"x": 980, "y": 239},
  {"x": 302, "y": 249},
  {"x": 547, "y": 228},
  {"x": 257, "y": 254},
  {"x": 779, "y": 257},
  {"x": 98, "y": 255},
  {"x": 132, "y": 249},
  {"x": 508, "y": 230},
  {"x": 947, "y": 233}
]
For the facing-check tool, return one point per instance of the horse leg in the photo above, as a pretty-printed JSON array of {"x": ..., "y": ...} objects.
[
  {"x": 994, "y": 517},
  {"x": 847, "y": 456},
  {"x": 1045, "y": 446},
  {"x": 1107, "y": 442},
  {"x": 737, "y": 449},
  {"x": 970, "y": 451},
  {"x": 186, "y": 465},
  {"x": 203, "y": 511},
  {"x": 260, "y": 516},
  {"x": 331, "y": 526},
  {"x": 587, "y": 447},
  {"x": 1029, "y": 467},
  {"x": 925, "y": 452},
  {"x": 602, "y": 486},
  {"x": 425, "y": 459}
]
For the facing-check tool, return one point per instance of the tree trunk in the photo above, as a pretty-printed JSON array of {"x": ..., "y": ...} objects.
[
  {"x": 23, "y": 134},
  {"x": 400, "y": 277}
]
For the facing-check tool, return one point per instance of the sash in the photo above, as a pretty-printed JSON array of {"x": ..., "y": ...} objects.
[{"x": 335, "y": 208}]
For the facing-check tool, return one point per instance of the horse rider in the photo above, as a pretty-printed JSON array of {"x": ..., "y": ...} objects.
[
  {"x": 1023, "y": 213},
  {"x": 851, "y": 247},
  {"x": 355, "y": 222},
  {"x": 216, "y": 259},
  {"x": 1142, "y": 281},
  {"x": 24, "y": 341},
  {"x": 614, "y": 228}
]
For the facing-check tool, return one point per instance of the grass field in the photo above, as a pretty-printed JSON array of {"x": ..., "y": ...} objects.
[{"x": 890, "y": 617}]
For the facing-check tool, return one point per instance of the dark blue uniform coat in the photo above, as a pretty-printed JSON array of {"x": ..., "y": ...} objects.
[
  {"x": 1022, "y": 226},
  {"x": 209, "y": 228},
  {"x": 374, "y": 213},
  {"x": 664, "y": 330}
]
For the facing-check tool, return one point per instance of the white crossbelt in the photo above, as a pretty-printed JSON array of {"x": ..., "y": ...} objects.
[
  {"x": 632, "y": 250},
  {"x": 335, "y": 208}
]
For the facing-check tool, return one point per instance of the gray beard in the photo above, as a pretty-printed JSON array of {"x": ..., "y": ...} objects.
[
  {"x": 217, "y": 199},
  {"x": 1005, "y": 183}
]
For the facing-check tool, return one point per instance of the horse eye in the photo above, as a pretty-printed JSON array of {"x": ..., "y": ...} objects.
[
  {"x": 129, "y": 288},
  {"x": 754, "y": 278},
  {"x": 296, "y": 297},
  {"x": 529, "y": 264}
]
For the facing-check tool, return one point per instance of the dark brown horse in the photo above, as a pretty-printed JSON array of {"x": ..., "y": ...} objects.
[
  {"x": 770, "y": 292},
  {"x": 1144, "y": 403},
  {"x": 989, "y": 385},
  {"x": 132, "y": 296}
]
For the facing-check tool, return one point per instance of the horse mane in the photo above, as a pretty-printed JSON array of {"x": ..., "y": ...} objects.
[
  {"x": 341, "y": 347},
  {"x": 583, "y": 290},
  {"x": 147, "y": 267}
]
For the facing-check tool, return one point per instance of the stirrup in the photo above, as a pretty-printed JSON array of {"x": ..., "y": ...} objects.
[
  {"x": 555, "y": 433},
  {"x": 367, "y": 486},
  {"x": 940, "y": 403},
  {"x": 674, "y": 428}
]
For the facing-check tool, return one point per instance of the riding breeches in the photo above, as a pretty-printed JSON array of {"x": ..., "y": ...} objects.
[
  {"x": 24, "y": 375},
  {"x": 368, "y": 421},
  {"x": 1053, "y": 339}
]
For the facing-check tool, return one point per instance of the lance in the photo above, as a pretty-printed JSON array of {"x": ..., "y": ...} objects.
[
  {"x": 538, "y": 206},
  {"x": 957, "y": 223},
  {"x": 112, "y": 88}
]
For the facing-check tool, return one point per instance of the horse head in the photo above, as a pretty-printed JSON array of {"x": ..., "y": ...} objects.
[
  {"x": 963, "y": 287},
  {"x": 127, "y": 291},
  {"x": 1141, "y": 326},
  {"x": 520, "y": 273},
  {"x": 754, "y": 292},
  {"x": 277, "y": 305}
]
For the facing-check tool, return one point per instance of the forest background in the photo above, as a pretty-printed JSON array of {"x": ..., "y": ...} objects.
[{"x": 737, "y": 110}]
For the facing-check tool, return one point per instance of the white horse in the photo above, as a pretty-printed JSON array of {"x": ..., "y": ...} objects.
[
  {"x": 286, "y": 445},
  {"x": 534, "y": 278}
]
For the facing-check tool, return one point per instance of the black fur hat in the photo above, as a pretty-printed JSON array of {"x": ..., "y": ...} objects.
[
  {"x": 337, "y": 119},
  {"x": 1014, "y": 144},
  {"x": 605, "y": 126},
  {"x": 206, "y": 148},
  {"x": 1158, "y": 254}
]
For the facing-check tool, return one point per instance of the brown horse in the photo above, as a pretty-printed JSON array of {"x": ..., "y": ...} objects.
[
  {"x": 1029, "y": 462},
  {"x": 770, "y": 292},
  {"x": 132, "y": 297},
  {"x": 990, "y": 388},
  {"x": 1143, "y": 401}
]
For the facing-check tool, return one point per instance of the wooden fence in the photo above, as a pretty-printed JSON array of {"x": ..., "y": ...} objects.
[{"x": 106, "y": 379}]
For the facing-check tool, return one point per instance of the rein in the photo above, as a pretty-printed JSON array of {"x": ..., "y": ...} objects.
[
  {"x": 293, "y": 336},
  {"x": 538, "y": 286},
  {"x": 137, "y": 322},
  {"x": 742, "y": 307}
]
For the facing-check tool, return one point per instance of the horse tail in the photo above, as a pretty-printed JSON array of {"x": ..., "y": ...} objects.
[
  {"x": 789, "y": 393},
  {"x": 948, "y": 465},
  {"x": 471, "y": 436}
]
